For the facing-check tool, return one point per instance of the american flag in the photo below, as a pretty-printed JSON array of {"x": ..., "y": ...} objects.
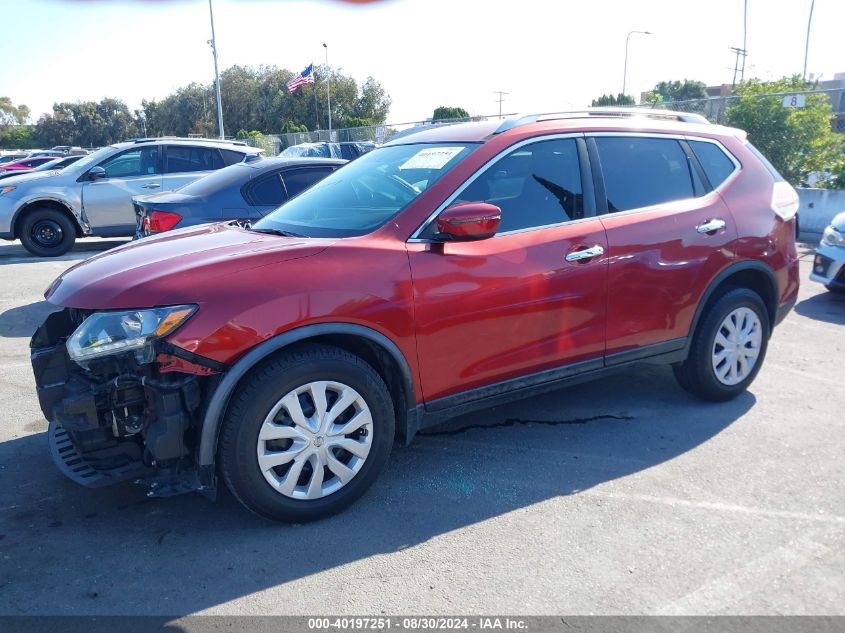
[{"x": 305, "y": 77}]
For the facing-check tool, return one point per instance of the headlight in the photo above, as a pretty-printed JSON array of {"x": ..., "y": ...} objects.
[
  {"x": 832, "y": 237},
  {"x": 107, "y": 333},
  {"x": 5, "y": 190}
]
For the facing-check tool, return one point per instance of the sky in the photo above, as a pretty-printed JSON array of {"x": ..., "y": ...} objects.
[{"x": 548, "y": 55}]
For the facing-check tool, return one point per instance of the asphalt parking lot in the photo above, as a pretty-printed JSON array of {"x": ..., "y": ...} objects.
[{"x": 623, "y": 496}]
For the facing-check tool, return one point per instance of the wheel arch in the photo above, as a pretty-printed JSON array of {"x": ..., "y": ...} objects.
[
  {"x": 372, "y": 346},
  {"x": 750, "y": 274},
  {"x": 49, "y": 203}
]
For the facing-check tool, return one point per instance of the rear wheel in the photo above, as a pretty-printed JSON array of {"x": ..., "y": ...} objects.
[
  {"x": 306, "y": 434},
  {"x": 47, "y": 232},
  {"x": 728, "y": 347}
]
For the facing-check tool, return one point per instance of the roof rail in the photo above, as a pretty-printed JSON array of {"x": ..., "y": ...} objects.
[
  {"x": 666, "y": 115},
  {"x": 184, "y": 138}
]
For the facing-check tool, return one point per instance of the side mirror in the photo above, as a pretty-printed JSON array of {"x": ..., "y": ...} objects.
[
  {"x": 95, "y": 173},
  {"x": 467, "y": 221}
]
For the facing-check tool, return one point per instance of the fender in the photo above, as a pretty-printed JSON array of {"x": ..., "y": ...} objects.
[
  {"x": 213, "y": 416},
  {"x": 74, "y": 214},
  {"x": 721, "y": 277}
]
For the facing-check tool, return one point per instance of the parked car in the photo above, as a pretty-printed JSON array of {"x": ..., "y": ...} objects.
[
  {"x": 69, "y": 150},
  {"x": 93, "y": 197},
  {"x": 49, "y": 165},
  {"x": 24, "y": 164},
  {"x": 348, "y": 150},
  {"x": 829, "y": 263},
  {"x": 246, "y": 191},
  {"x": 10, "y": 158},
  {"x": 452, "y": 270},
  {"x": 45, "y": 153}
]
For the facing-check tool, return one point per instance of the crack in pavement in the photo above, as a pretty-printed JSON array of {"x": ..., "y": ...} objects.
[{"x": 517, "y": 421}]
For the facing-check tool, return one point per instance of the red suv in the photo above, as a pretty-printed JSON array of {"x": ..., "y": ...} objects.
[{"x": 449, "y": 270}]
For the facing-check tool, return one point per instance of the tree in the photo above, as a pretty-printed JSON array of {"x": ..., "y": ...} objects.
[
  {"x": 86, "y": 123},
  {"x": 10, "y": 114},
  {"x": 446, "y": 112},
  {"x": 19, "y": 137},
  {"x": 795, "y": 140},
  {"x": 290, "y": 127},
  {"x": 354, "y": 121},
  {"x": 610, "y": 100},
  {"x": 685, "y": 90}
]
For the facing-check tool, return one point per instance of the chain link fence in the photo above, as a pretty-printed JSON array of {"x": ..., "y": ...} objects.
[
  {"x": 272, "y": 144},
  {"x": 715, "y": 109}
]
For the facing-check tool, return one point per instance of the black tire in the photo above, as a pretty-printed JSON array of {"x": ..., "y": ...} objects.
[
  {"x": 47, "y": 232},
  {"x": 254, "y": 399},
  {"x": 696, "y": 374},
  {"x": 836, "y": 289}
]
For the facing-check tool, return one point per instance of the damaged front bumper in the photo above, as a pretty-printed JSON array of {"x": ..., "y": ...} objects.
[{"x": 118, "y": 420}]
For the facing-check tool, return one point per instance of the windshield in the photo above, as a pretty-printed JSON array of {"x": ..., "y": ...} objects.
[
  {"x": 364, "y": 194},
  {"x": 94, "y": 157}
]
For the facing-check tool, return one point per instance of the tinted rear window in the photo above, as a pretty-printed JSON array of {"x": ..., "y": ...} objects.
[
  {"x": 231, "y": 157},
  {"x": 713, "y": 160},
  {"x": 641, "y": 172},
  {"x": 266, "y": 191},
  {"x": 182, "y": 159}
]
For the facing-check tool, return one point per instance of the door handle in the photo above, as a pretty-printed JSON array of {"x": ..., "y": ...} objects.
[
  {"x": 711, "y": 226},
  {"x": 150, "y": 185},
  {"x": 587, "y": 253}
]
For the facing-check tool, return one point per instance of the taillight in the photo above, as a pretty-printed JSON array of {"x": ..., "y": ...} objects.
[
  {"x": 160, "y": 221},
  {"x": 784, "y": 200}
]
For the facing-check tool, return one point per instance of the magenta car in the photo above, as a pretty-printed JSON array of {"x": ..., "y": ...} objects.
[{"x": 26, "y": 164}]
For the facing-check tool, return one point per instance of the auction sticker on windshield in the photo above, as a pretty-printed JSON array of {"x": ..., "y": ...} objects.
[{"x": 431, "y": 158}]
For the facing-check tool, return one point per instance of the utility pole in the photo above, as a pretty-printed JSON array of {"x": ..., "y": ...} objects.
[
  {"x": 744, "y": 38},
  {"x": 501, "y": 98},
  {"x": 213, "y": 43},
  {"x": 740, "y": 52},
  {"x": 329, "y": 90},
  {"x": 807, "y": 44}
]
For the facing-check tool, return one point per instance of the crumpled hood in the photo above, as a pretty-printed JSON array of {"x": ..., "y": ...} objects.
[
  {"x": 838, "y": 222},
  {"x": 183, "y": 266}
]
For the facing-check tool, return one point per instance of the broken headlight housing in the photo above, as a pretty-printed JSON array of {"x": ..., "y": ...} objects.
[{"x": 108, "y": 333}]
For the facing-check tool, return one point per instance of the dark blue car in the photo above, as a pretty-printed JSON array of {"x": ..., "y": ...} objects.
[{"x": 245, "y": 191}]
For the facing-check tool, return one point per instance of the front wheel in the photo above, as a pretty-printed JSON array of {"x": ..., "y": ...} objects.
[
  {"x": 306, "y": 434},
  {"x": 728, "y": 347},
  {"x": 47, "y": 232}
]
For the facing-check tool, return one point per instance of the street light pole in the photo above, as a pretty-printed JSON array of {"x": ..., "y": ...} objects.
[
  {"x": 213, "y": 43},
  {"x": 328, "y": 90},
  {"x": 807, "y": 44},
  {"x": 625, "y": 72}
]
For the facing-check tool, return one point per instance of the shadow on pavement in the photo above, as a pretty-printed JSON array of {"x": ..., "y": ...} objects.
[
  {"x": 826, "y": 306},
  {"x": 22, "y": 321},
  {"x": 15, "y": 253},
  {"x": 69, "y": 550}
]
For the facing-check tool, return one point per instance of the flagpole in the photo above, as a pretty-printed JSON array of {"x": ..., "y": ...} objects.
[
  {"x": 316, "y": 106},
  {"x": 328, "y": 90}
]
